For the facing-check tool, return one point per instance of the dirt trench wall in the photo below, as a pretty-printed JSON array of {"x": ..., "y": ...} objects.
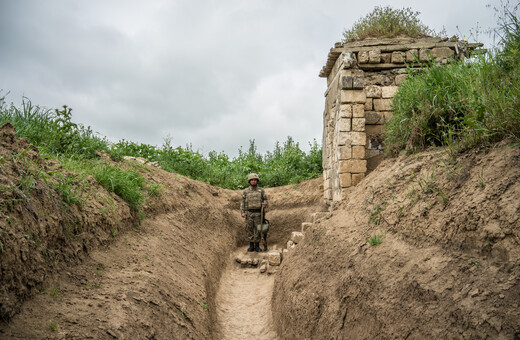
[
  {"x": 94, "y": 267},
  {"x": 362, "y": 78},
  {"x": 448, "y": 262}
]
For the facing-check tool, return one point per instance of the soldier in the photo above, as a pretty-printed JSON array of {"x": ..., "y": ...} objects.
[{"x": 253, "y": 200}]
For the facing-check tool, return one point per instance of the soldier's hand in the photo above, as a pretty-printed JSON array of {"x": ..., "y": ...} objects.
[{"x": 244, "y": 215}]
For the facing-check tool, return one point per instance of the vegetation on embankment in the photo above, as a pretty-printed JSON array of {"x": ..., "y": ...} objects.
[
  {"x": 467, "y": 104},
  {"x": 54, "y": 133}
]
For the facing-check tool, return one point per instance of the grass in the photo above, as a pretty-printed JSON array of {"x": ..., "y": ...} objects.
[
  {"x": 375, "y": 215},
  {"x": 387, "y": 22},
  {"x": 55, "y": 292},
  {"x": 125, "y": 183},
  {"x": 460, "y": 105},
  {"x": 58, "y": 137},
  {"x": 375, "y": 240},
  {"x": 53, "y": 326},
  {"x": 203, "y": 304}
]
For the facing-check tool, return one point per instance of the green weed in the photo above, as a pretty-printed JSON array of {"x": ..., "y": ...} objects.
[
  {"x": 473, "y": 262},
  {"x": 375, "y": 216},
  {"x": 66, "y": 188},
  {"x": 55, "y": 292},
  {"x": 26, "y": 183},
  {"x": 375, "y": 240},
  {"x": 113, "y": 232},
  {"x": 203, "y": 304},
  {"x": 154, "y": 189},
  {"x": 53, "y": 326}
]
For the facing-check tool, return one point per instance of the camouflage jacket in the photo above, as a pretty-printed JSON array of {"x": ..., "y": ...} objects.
[{"x": 252, "y": 199}]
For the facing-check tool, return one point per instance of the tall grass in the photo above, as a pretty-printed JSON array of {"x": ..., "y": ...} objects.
[
  {"x": 57, "y": 136},
  {"x": 52, "y": 131},
  {"x": 461, "y": 105}
]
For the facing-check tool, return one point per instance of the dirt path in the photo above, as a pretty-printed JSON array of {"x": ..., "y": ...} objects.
[{"x": 244, "y": 302}]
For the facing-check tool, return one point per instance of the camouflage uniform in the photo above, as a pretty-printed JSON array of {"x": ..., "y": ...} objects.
[{"x": 252, "y": 199}]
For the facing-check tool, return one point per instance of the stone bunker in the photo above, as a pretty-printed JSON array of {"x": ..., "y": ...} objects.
[{"x": 362, "y": 78}]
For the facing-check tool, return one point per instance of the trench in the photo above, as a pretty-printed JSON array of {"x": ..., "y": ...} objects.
[
  {"x": 173, "y": 277},
  {"x": 243, "y": 301}
]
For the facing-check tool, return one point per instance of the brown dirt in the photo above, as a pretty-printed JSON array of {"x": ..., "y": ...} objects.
[
  {"x": 447, "y": 267},
  {"x": 244, "y": 302}
]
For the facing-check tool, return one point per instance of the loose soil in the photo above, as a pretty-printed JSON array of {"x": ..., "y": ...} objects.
[{"x": 448, "y": 265}]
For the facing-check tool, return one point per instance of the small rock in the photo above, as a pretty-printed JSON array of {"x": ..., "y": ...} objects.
[
  {"x": 306, "y": 225},
  {"x": 474, "y": 292},
  {"x": 274, "y": 258},
  {"x": 297, "y": 237},
  {"x": 254, "y": 262},
  {"x": 263, "y": 268},
  {"x": 239, "y": 259},
  {"x": 501, "y": 296}
]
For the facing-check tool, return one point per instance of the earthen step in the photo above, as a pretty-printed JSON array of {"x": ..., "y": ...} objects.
[{"x": 305, "y": 226}]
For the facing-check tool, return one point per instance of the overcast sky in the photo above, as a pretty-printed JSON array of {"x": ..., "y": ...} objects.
[{"x": 214, "y": 74}]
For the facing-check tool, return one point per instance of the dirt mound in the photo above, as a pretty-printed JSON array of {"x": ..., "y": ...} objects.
[
  {"x": 447, "y": 267},
  {"x": 38, "y": 232}
]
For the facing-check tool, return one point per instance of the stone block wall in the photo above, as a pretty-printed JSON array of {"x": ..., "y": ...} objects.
[{"x": 362, "y": 78}]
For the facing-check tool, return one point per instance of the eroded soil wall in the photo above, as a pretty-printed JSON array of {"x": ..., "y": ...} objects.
[{"x": 448, "y": 265}]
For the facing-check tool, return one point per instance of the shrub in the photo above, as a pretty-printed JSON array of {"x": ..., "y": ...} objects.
[
  {"x": 461, "y": 105},
  {"x": 386, "y": 22},
  {"x": 57, "y": 136}
]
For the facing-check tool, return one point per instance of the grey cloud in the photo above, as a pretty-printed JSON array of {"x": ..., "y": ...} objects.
[{"x": 212, "y": 73}]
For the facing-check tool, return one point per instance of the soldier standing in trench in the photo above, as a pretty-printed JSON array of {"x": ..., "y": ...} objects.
[{"x": 253, "y": 200}]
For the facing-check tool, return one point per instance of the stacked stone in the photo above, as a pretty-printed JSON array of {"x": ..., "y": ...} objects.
[{"x": 362, "y": 79}]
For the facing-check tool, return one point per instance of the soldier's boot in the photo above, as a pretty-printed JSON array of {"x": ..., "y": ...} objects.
[
  {"x": 257, "y": 247},
  {"x": 251, "y": 247}
]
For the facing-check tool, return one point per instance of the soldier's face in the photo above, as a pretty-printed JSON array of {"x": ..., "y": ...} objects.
[{"x": 253, "y": 182}]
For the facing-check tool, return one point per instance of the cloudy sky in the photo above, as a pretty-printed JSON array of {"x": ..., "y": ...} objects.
[{"x": 211, "y": 73}]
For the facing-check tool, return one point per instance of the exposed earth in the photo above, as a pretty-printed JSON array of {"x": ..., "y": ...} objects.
[{"x": 447, "y": 266}]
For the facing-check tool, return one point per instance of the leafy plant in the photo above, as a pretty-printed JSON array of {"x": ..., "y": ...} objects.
[
  {"x": 473, "y": 262},
  {"x": 154, "y": 189},
  {"x": 203, "y": 304}
]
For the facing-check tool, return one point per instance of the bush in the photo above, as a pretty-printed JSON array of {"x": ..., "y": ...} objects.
[
  {"x": 386, "y": 22},
  {"x": 57, "y": 136},
  {"x": 461, "y": 105}
]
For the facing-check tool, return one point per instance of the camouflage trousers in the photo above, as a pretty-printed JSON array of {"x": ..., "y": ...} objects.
[{"x": 252, "y": 220}]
